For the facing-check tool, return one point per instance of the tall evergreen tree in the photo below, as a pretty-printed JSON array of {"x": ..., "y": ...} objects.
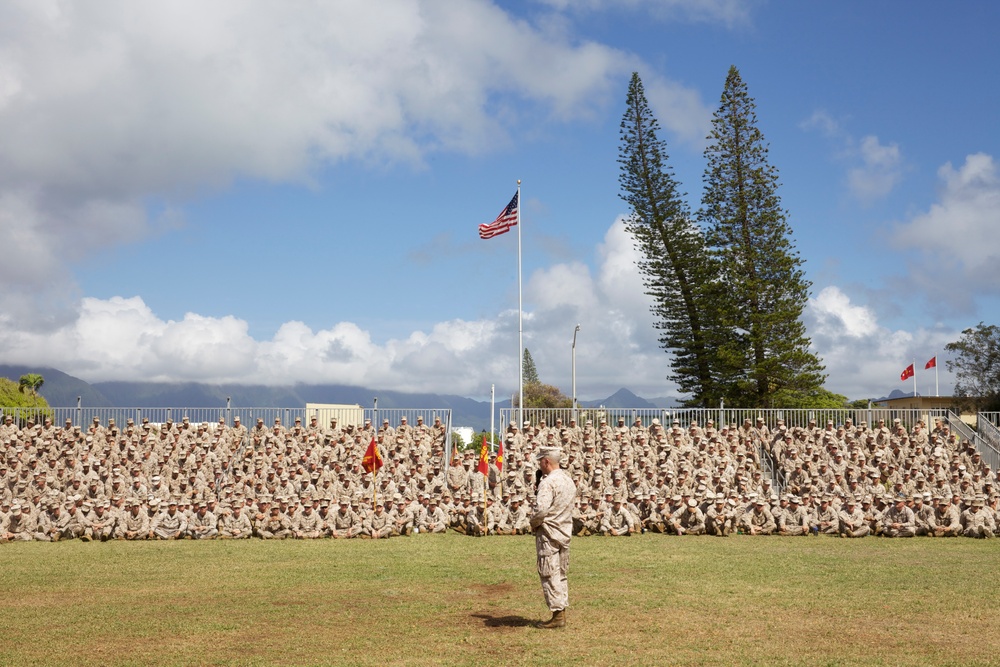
[
  {"x": 677, "y": 271},
  {"x": 529, "y": 371},
  {"x": 749, "y": 236}
]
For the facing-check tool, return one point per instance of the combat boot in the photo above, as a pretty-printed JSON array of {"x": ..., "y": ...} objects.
[{"x": 558, "y": 620}]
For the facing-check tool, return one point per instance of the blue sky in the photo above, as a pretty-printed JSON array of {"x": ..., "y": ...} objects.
[{"x": 280, "y": 193}]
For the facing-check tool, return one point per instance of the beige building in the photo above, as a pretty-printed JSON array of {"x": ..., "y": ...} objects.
[
  {"x": 929, "y": 403},
  {"x": 345, "y": 413}
]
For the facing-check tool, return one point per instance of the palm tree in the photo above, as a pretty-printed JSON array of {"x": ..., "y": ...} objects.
[{"x": 31, "y": 383}]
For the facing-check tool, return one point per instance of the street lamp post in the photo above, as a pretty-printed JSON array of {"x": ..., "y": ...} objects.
[{"x": 575, "y": 332}]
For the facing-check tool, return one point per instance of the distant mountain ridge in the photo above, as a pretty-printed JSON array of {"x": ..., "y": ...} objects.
[{"x": 62, "y": 390}]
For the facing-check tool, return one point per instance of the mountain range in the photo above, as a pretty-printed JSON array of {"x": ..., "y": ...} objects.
[{"x": 62, "y": 390}]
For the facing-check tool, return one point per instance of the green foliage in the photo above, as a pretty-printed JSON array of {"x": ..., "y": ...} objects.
[
  {"x": 975, "y": 361},
  {"x": 728, "y": 295},
  {"x": 530, "y": 372},
  {"x": 31, "y": 383},
  {"x": 538, "y": 395},
  {"x": 767, "y": 352},
  {"x": 20, "y": 403},
  {"x": 491, "y": 440},
  {"x": 457, "y": 441},
  {"x": 860, "y": 404},
  {"x": 677, "y": 271},
  {"x": 818, "y": 399}
]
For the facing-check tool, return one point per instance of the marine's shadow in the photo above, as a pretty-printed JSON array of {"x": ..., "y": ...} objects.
[{"x": 505, "y": 621}]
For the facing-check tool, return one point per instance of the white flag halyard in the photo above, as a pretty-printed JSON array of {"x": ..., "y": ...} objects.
[{"x": 504, "y": 221}]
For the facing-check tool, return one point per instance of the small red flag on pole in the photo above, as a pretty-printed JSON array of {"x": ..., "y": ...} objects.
[
  {"x": 907, "y": 373},
  {"x": 372, "y": 460},
  {"x": 500, "y": 457},
  {"x": 931, "y": 364}
]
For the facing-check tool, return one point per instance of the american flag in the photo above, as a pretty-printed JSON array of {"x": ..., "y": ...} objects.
[{"x": 503, "y": 223}]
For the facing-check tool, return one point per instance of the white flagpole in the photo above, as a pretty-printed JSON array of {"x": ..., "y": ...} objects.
[
  {"x": 520, "y": 310},
  {"x": 937, "y": 387},
  {"x": 493, "y": 389},
  {"x": 914, "y": 378}
]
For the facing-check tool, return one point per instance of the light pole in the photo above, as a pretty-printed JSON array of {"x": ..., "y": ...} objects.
[{"x": 575, "y": 332}]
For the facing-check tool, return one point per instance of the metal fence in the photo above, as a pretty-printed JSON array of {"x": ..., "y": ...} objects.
[
  {"x": 989, "y": 432},
  {"x": 989, "y": 452},
  {"x": 988, "y": 445},
  {"x": 719, "y": 416},
  {"x": 84, "y": 416},
  {"x": 992, "y": 417}
]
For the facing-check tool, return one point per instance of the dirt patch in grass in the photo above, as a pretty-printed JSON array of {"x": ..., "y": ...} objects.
[{"x": 493, "y": 590}]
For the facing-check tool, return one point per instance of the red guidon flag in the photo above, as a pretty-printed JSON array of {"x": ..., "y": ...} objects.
[
  {"x": 500, "y": 457},
  {"x": 503, "y": 223},
  {"x": 372, "y": 460},
  {"x": 931, "y": 364},
  {"x": 484, "y": 458},
  {"x": 907, "y": 373}
]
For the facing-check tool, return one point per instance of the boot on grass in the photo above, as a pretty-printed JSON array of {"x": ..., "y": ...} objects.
[{"x": 558, "y": 620}]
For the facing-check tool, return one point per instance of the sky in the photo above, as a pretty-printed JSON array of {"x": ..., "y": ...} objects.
[{"x": 263, "y": 191}]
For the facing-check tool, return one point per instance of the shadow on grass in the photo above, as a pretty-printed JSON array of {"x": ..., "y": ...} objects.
[{"x": 506, "y": 621}]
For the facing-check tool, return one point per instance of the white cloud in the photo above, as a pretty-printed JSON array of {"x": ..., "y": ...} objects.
[
  {"x": 865, "y": 358},
  {"x": 728, "y": 12},
  {"x": 824, "y": 122},
  {"x": 106, "y": 105},
  {"x": 126, "y": 98},
  {"x": 874, "y": 170},
  {"x": 679, "y": 109},
  {"x": 880, "y": 170},
  {"x": 958, "y": 239},
  {"x": 122, "y": 339},
  {"x": 834, "y": 312}
]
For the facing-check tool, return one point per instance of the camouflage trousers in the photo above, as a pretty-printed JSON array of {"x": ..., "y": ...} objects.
[{"x": 553, "y": 566}]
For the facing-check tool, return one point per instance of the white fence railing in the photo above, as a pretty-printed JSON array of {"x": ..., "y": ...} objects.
[{"x": 729, "y": 416}]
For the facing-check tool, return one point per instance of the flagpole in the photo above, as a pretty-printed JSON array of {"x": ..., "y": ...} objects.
[
  {"x": 937, "y": 387},
  {"x": 493, "y": 389},
  {"x": 375, "y": 459},
  {"x": 520, "y": 310},
  {"x": 914, "y": 379}
]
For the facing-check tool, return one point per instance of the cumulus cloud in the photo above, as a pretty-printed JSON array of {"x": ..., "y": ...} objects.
[
  {"x": 108, "y": 105},
  {"x": 123, "y": 339},
  {"x": 679, "y": 109},
  {"x": 864, "y": 357},
  {"x": 834, "y": 312},
  {"x": 879, "y": 172},
  {"x": 957, "y": 241},
  {"x": 874, "y": 169},
  {"x": 824, "y": 122}
]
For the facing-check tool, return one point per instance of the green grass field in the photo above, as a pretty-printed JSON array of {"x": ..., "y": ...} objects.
[{"x": 453, "y": 600}]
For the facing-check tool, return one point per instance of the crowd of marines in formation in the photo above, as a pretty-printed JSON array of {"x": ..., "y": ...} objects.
[{"x": 229, "y": 481}]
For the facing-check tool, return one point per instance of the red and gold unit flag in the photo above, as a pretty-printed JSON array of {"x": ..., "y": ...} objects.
[
  {"x": 907, "y": 373},
  {"x": 484, "y": 458},
  {"x": 500, "y": 457},
  {"x": 372, "y": 460},
  {"x": 931, "y": 364}
]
